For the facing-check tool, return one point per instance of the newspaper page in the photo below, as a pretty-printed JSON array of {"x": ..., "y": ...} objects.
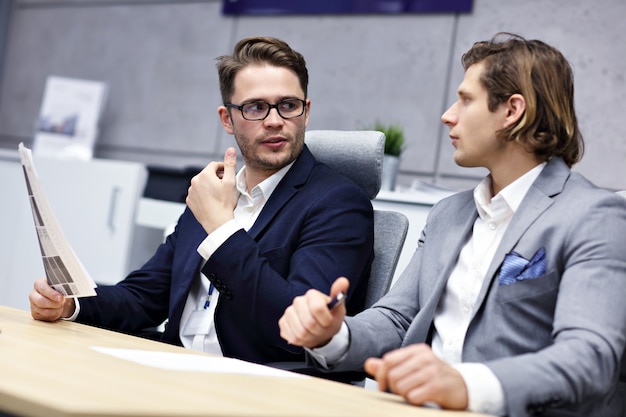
[{"x": 63, "y": 269}]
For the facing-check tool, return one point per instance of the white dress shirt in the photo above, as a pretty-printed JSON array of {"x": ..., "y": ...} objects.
[{"x": 458, "y": 301}]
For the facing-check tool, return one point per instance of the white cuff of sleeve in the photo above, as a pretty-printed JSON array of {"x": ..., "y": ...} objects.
[
  {"x": 484, "y": 391},
  {"x": 333, "y": 351},
  {"x": 76, "y": 311},
  {"x": 214, "y": 240}
]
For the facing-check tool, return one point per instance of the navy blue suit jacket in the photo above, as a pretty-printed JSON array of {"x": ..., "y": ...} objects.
[{"x": 316, "y": 226}]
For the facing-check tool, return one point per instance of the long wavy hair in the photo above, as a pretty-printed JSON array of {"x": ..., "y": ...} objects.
[{"x": 542, "y": 75}]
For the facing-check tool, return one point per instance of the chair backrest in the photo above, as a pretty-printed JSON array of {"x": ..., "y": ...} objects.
[
  {"x": 390, "y": 229},
  {"x": 622, "y": 374},
  {"x": 358, "y": 155}
]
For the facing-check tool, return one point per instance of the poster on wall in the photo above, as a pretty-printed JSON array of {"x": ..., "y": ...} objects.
[
  {"x": 277, "y": 7},
  {"x": 68, "y": 121}
]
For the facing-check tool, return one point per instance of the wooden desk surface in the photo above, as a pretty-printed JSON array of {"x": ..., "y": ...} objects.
[{"x": 49, "y": 369}]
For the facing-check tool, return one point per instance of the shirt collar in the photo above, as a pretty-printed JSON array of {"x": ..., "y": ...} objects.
[
  {"x": 266, "y": 187},
  {"x": 508, "y": 199}
]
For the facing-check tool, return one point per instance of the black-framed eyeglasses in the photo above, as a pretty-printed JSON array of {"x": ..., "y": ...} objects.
[{"x": 288, "y": 108}]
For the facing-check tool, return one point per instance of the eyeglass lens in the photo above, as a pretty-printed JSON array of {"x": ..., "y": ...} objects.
[{"x": 259, "y": 110}]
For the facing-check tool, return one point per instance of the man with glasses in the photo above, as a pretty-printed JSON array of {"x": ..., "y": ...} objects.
[{"x": 248, "y": 242}]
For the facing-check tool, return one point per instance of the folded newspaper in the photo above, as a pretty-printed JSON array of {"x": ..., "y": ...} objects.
[{"x": 63, "y": 269}]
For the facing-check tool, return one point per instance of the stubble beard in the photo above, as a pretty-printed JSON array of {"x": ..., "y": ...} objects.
[{"x": 275, "y": 160}]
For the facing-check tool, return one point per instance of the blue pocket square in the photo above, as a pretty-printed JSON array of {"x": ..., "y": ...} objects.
[{"x": 516, "y": 268}]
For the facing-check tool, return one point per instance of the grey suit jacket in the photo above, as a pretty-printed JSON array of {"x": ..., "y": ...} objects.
[{"x": 555, "y": 341}]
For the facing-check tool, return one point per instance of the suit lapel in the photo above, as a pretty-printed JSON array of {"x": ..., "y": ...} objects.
[
  {"x": 457, "y": 232},
  {"x": 433, "y": 282},
  {"x": 295, "y": 178},
  {"x": 538, "y": 199}
]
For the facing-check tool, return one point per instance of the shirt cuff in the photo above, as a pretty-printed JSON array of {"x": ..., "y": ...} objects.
[
  {"x": 484, "y": 391},
  {"x": 335, "y": 350},
  {"x": 214, "y": 240},
  {"x": 76, "y": 311}
]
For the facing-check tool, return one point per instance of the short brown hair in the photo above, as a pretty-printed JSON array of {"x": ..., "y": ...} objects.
[
  {"x": 542, "y": 75},
  {"x": 259, "y": 50}
]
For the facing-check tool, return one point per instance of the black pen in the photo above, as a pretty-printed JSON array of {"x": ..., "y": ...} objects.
[{"x": 339, "y": 298}]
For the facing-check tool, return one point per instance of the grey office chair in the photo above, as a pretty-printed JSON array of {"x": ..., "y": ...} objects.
[
  {"x": 622, "y": 375},
  {"x": 358, "y": 155}
]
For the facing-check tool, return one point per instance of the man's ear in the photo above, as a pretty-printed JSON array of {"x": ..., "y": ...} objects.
[
  {"x": 225, "y": 119},
  {"x": 307, "y": 110},
  {"x": 516, "y": 107}
]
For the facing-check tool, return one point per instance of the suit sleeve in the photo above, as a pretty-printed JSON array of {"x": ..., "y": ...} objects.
[{"x": 141, "y": 300}]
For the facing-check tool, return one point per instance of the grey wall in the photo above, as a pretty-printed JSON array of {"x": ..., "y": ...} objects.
[
  {"x": 158, "y": 57},
  {"x": 5, "y": 13}
]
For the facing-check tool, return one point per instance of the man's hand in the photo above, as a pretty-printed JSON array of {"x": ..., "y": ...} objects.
[
  {"x": 415, "y": 373},
  {"x": 308, "y": 322},
  {"x": 212, "y": 195},
  {"x": 48, "y": 304}
]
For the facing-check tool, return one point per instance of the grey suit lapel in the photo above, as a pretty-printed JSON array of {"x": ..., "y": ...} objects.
[
  {"x": 455, "y": 233},
  {"x": 458, "y": 231},
  {"x": 538, "y": 199}
]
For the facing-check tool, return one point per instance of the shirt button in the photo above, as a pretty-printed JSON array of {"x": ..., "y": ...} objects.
[{"x": 492, "y": 226}]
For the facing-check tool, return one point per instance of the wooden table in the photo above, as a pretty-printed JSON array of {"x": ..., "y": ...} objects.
[{"x": 51, "y": 370}]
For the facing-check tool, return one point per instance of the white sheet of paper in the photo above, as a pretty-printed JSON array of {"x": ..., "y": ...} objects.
[{"x": 191, "y": 362}]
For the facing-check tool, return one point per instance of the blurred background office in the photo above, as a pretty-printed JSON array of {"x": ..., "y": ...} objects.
[{"x": 158, "y": 59}]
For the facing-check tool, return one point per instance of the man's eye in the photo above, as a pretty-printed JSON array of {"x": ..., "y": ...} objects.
[
  {"x": 255, "y": 107},
  {"x": 288, "y": 105}
]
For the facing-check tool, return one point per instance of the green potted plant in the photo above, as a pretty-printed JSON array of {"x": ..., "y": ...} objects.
[{"x": 394, "y": 146}]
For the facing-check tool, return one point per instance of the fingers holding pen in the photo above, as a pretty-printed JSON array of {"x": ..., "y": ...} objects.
[
  {"x": 301, "y": 324},
  {"x": 309, "y": 321}
]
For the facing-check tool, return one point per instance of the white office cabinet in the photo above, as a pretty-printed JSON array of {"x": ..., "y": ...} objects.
[{"x": 95, "y": 203}]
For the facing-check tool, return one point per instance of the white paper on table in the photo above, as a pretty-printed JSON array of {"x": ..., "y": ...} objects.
[{"x": 191, "y": 362}]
